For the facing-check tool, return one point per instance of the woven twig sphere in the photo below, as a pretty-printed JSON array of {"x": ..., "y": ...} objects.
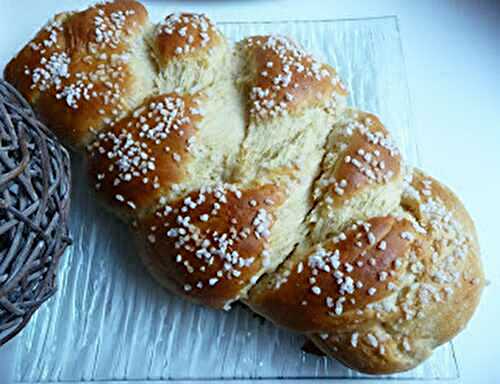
[{"x": 34, "y": 204}]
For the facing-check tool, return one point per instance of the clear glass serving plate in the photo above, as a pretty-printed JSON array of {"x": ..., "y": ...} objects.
[{"x": 111, "y": 321}]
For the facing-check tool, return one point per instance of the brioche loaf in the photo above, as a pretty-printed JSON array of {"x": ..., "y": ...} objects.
[{"x": 244, "y": 176}]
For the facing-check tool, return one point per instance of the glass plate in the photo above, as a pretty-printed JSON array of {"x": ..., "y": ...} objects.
[{"x": 111, "y": 321}]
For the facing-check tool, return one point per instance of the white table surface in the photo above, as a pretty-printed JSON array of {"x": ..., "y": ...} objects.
[{"x": 452, "y": 50}]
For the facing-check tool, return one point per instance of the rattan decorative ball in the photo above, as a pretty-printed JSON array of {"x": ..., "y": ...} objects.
[{"x": 34, "y": 203}]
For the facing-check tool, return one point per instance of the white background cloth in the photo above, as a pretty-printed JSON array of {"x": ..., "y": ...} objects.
[{"x": 452, "y": 50}]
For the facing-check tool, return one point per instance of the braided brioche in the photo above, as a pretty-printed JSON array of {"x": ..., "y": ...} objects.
[{"x": 244, "y": 176}]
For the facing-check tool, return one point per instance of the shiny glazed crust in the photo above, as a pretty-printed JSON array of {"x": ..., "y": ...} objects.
[{"x": 244, "y": 176}]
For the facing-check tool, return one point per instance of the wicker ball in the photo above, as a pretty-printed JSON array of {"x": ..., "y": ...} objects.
[{"x": 34, "y": 203}]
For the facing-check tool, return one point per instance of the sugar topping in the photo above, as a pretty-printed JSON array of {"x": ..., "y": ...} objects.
[
  {"x": 438, "y": 222},
  {"x": 360, "y": 149},
  {"x": 354, "y": 339},
  {"x": 184, "y": 33},
  {"x": 287, "y": 72},
  {"x": 370, "y": 163},
  {"x": 51, "y": 30},
  {"x": 50, "y": 72},
  {"x": 98, "y": 72},
  {"x": 209, "y": 245},
  {"x": 213, "y": 248},
  {"x": 139, "y": 146},
  {"x": 110, "y": 28},
  {"x": 347, "y": 274}
]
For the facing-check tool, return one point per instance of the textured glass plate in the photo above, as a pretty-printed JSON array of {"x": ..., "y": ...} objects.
[{"x": 110, "y": 321}]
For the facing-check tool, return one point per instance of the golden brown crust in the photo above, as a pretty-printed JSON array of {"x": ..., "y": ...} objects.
[
  {"x": 74, "y": 120},
  {"x": 136, "y": 161},
  {"x": 49, "y": 42},
  {"x": 360, "y": 157},
  {"x": 75, "y": 72},
  {"x": 444, "y": 280},
  {"x": 381, "y": 274},
  {"x": 370, "y": 157},
  {"x": 360, "y": 350},
  {"x": 106, "y": 27},
  {"x": 348, "y": 272},
  {"x": 208, "y": 245},
  {"x": 285, "y": 79},
  {"x": 184, "y": 35}
]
